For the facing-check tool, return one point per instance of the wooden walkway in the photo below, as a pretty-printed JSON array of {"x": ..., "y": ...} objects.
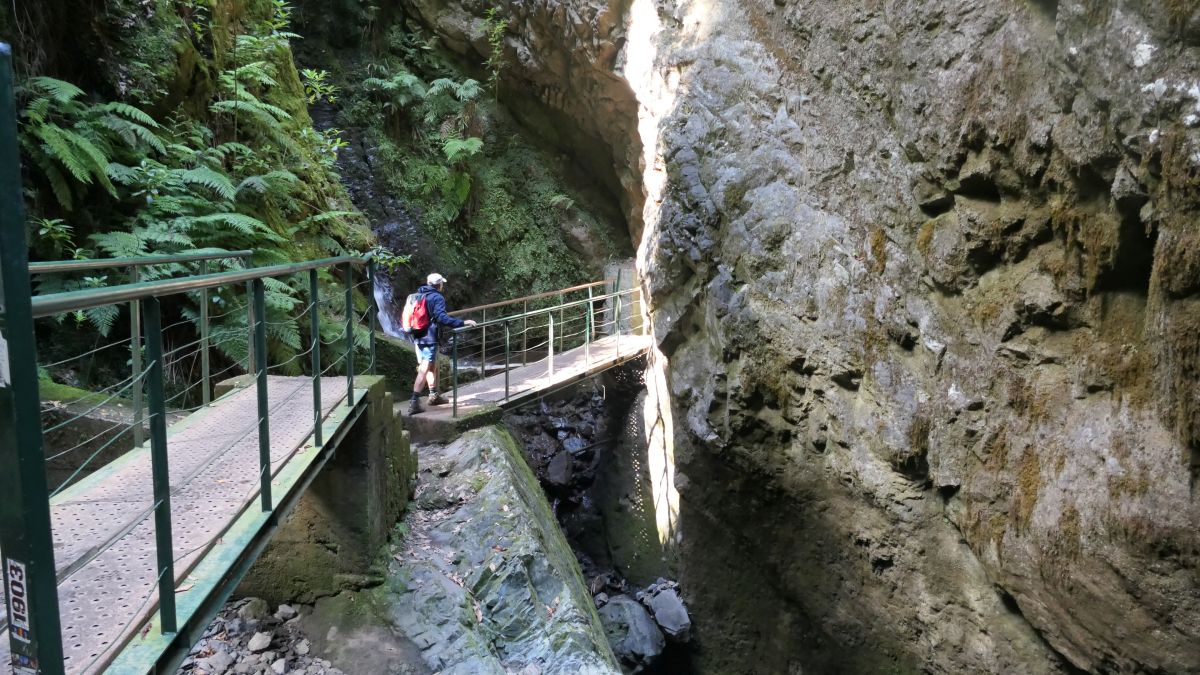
[
  {"x": 104, "y": 528},
  {"x": 525, "y": 382}
]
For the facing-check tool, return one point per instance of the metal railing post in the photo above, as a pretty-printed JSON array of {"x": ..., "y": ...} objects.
[
  {"x": 617, "y": 316},
  {"x": 314, "y": 322},
  {"x": 562, "y": 332},
  {"x": 264, "y": 413},
  {"x": 454, "y": 378},
  {"x": 349, "y": 276},
  {"x": 205, "y": 367},
  {"x": 506, "y": 356},
  {"x": 250, "y": 325},
  {"x": 588, "y": 320},
  {"x": 483, "y": 346},
  {"x": 135, "y": 334},
  {"x": 374, "y": 311},
  {"x": 163, "y": 547},
  {"x": 525, "y": 335},
  {"x": 550, "y": 342},
  {"x": 25, "y": 533}
]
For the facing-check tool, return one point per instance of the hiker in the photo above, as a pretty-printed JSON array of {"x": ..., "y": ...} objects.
[{"x": 424, "y": 312}]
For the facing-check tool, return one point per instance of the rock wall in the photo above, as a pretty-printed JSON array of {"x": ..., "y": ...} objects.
[{"x": 926, "y": 285}]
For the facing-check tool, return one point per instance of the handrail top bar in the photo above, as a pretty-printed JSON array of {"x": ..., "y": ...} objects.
[
  {"x": 133, "y": 261},
  {"x": 544, "y": 310},
  {"x": 527, "y": 298},
  {"x": 59, "y": 303}
]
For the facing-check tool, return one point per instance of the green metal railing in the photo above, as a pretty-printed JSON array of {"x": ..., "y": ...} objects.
[
  {"x": 132, "y": 265},
  {"x": 147, "y": 296},
  {"x": 563, "y": 323}
]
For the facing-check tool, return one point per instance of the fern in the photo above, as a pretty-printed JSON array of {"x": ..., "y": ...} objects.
[
  {"x": 119, "y": 244},
  {"x": 246, "y": 225},
  {"x": 212, "y": 180},
  {"x": 458, "y": 149},
  {"x": 103, "y": 318},
  {"x": 56, "y": 90}
]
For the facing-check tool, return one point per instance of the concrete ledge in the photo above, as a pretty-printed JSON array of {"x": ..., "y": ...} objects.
[
  {"x": 427, "y": 428},
  {"x": 331, "y": 541}
]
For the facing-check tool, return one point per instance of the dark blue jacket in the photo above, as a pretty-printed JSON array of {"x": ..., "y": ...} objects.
[{"x": 435, "y": 304}]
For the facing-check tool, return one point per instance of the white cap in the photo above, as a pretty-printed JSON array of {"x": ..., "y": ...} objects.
[{"x": 435, "y": 279}]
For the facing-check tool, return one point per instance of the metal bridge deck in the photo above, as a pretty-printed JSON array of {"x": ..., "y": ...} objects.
[
  {"x": 527, "y": 381},
  {"x": 104, "y": 530}
]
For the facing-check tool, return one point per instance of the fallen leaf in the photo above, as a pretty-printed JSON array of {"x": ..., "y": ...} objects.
[{"x": 185, "y": 588}]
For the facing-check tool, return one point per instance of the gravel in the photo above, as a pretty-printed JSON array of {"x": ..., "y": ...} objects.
[{"x": 246, "y": 638}]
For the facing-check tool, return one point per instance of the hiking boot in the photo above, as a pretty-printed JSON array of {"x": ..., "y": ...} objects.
[
  {"x": 438, "y": 399},
  {"x": 414, "y": 408}
]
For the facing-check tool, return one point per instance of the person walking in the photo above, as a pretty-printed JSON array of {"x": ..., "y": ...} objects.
[{"x": 426, "y": 341}]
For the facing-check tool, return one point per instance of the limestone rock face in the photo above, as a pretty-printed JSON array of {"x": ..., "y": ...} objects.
[{"x": 925, "y": 280}]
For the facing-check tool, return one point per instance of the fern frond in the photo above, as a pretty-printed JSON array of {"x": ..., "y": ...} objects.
[
  {"x": 212, "y": 180},
  {"x": 242, "y": 223},
  {"x": 119, "y": 244},
  {"x": 130, "y": 113},
  {"x": 58, "y": 182},
  {"x": 103, "y": 317},
  {"x": 255, "y": 184},
  {"x": 57, "y": 146},
  {"x": 62, "y": 92}
]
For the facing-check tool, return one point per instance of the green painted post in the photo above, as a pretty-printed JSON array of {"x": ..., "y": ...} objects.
[
  {"x": 33, "y": 631},
  {"x": 454, "y": 379},
  {"x": 525, "y": 335},
  {"x": 349, "y": 273},
  {"x": 506, "y": 352},
  {"x": 163, "y": 547},
  {"x": 135, "y": 334},
  {"x": 374, "y": 311},
  {"x": 205, "y": 368},
  {"x": 314, "y": 323},
  {"x": 264, "y": 411}
]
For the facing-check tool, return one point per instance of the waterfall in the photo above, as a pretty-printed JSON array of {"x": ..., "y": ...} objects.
[{"x": 385, "y": 301}]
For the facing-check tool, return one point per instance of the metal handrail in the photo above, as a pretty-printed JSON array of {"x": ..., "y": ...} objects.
[
  {"x": 529, "y": 298},
  {"x": 544, "y": 310},
  {"x": 617, "y": 296},
  {"x": 70, "y": 301},
  {"x": 135, "y": 261}
]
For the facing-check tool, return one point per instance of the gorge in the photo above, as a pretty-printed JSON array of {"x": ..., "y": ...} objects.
[{"x": 923, "y": 279}]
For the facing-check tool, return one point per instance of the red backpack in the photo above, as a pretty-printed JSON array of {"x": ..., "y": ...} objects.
[{"x": 416, "y": 316}]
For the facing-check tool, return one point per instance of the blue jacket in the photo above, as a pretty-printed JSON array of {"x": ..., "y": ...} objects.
[{"x": 435, "y": 304}]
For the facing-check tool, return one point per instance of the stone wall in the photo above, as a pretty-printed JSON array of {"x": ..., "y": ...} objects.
[
  {"x": 333, "y": 539},
  {"x": 925, "y": 282}
]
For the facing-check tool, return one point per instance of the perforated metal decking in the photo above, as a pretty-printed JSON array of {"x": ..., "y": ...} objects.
[{"x": 103, "y": 527}]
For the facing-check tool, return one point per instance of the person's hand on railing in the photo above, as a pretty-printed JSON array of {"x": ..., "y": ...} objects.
[{"x": 469, "y": 323}]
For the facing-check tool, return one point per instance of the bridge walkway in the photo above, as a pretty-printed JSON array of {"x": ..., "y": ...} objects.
[
  {"x": 103, "y": 526},
  {"x": 528, "y": 381}
]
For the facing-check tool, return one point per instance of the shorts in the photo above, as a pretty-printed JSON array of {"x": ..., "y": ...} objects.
[{"x": 426, "y": 353}]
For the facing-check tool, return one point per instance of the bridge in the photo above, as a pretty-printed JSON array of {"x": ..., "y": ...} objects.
[{"x": 120, "y": 546}]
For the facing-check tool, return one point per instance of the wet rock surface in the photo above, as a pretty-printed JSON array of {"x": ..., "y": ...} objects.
[
  {"x": 925, "y": 285},
  {"x": 246, "y": 638},
  {"x": 572, "y": 445},
  {"x": 484, "y": 581}
]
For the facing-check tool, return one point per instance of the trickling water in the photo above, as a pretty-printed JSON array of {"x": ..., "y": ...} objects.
[{"x": 385, "y": 300}]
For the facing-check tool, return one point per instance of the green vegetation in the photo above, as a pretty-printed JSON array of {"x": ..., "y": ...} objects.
[
  {"x": 495, "y": 207},
  {"x": 237, "y": 166},
  {"x": 495, "y": 28}
]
